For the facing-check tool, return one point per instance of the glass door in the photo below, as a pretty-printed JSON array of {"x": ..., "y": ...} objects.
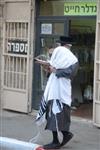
[
  {"x": 46, "y": 44},
  {"x": 47, "y": 35}
]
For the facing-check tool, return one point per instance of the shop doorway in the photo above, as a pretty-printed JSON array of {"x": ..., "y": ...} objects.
[{"x": 83, "y": 32}]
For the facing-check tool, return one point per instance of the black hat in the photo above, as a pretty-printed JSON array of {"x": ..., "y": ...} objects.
[{"x": 65, "y": 40}]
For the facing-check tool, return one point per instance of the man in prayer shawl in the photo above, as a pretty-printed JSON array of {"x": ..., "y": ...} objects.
[{"x": 55, "y": 105}]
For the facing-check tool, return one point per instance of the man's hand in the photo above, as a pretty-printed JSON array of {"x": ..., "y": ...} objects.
[
  {"x": 52, "y": 69},
  {"x": 46, "y": 68}
]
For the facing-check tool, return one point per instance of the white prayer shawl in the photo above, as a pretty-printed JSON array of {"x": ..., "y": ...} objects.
[{"x": 60, "y": 88}]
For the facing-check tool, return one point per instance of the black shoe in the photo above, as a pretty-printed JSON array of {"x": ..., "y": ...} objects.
[
  {"x": 52, "y": 146},
  {"x": 67, "y": 139}
]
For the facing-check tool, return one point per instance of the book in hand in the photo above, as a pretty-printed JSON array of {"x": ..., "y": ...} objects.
[{"x": 42, "y": 62}]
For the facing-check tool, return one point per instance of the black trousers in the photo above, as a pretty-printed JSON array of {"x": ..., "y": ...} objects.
[{"x": 63, "y": 118}]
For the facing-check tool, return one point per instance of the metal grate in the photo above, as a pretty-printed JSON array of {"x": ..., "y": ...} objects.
[
  {"x": 15, "y": 58},
  {"x": 15, "y": 72},
  {"x": 17, "y": 30}
]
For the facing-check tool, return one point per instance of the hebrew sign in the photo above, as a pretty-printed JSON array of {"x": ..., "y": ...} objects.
[
  {"x": 17, "y": 46},
  {"x": 80, "y": 9}
]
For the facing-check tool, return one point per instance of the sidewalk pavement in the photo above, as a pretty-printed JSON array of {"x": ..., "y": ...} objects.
[{"x": 22, "y": 127}]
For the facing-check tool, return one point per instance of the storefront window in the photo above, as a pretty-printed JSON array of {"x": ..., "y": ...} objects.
[
  {"x": 82, "y": 26},
  {"x": 51, "y": 8},
  {"x": 58, "y": 28}
]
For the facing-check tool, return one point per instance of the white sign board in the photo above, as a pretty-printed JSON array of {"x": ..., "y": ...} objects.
[{"x": 46, "y": 28}]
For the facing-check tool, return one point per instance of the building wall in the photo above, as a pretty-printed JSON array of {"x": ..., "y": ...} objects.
[
  {"x": 96, "y": 88},
  {"x": 18, "y": 26},
  {"x": 1, "y": 42}
]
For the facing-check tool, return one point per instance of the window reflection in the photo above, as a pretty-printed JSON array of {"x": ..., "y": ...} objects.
[{"x": 51, "y": 8}]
